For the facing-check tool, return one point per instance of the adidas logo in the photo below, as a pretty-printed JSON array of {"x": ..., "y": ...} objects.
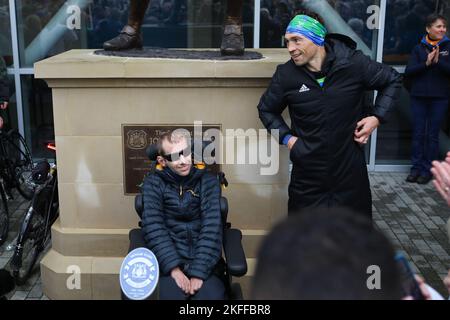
[{"x": 303, "y": 88}]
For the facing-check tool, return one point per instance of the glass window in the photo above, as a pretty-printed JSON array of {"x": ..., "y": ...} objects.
[
  {"x": 46, "y": 28},
  {"x": 394, "y": 136},
  {"x": 38, "y": 116},
  {"x": 405, "y": 26},
  {"x": 5, "y": 34},
  {"x": 346, "y": 17},
  {"x": 205, "y": 19}
]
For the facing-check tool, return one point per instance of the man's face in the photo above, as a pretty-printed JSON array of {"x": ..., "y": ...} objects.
[
  {"x": 301, "y": 49},
  {"x": 181, "y": 163}
]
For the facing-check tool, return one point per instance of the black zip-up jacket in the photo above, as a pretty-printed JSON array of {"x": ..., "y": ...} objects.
[
  {"x": 181, "y": 221},
  {"x": 328, "y": 165},
  {"x": 431, "y": 81}
]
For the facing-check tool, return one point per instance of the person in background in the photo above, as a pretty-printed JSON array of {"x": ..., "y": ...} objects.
[{"x": 429, "y": 72}]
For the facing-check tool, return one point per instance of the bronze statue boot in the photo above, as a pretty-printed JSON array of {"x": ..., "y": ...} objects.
[
  {"x": 128, "y": 38},
  {"x": 233, "y": 38}
]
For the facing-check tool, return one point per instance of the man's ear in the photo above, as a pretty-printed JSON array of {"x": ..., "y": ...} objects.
[{"x": 161, "y": 161}]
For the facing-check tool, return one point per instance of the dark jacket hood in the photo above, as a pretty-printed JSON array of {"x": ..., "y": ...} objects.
[
  {"x": 340, "y": 39},
  {"x": 340, "y": 48}
]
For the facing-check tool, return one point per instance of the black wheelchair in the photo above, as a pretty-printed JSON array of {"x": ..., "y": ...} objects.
[{"x": 233, "y": 258}]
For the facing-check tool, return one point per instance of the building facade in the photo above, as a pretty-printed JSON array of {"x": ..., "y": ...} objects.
[{"x": 30, "y": 31}]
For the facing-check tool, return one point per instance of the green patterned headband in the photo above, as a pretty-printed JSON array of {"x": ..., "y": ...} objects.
[{"x": 308, "y": 27}]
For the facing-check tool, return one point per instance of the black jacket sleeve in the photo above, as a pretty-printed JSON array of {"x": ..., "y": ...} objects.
[
  {"x": 271, "y": 105},
  {"x": 416, "y": 65},
  {"x": 208, "y": 248},
  {"x": 156, "y": 235},
  {"x": 384, "y": 79},
  {"x": 4, "y": 89}
]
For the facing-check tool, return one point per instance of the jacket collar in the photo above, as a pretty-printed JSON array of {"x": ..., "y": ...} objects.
[
  {"x": 427, "y": 44},
  {"x": 339, "y": 49},
  {"x": 172, "y": 177}
]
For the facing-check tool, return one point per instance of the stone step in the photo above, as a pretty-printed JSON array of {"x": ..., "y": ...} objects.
[
  {"x": 115, "y": 242},
  {"x": 75, "y": 277}
]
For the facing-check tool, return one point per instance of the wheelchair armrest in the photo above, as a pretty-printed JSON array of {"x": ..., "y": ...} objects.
[
  {"x": 139, "y": 204},
  {"x": 234, "y": 253}
]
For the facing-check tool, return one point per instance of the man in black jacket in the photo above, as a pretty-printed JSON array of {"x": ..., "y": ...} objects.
[
  {"x": 181, "y": 223},
  {"x": 4, "y": 88},
  {"x": 323, "y": 85}
]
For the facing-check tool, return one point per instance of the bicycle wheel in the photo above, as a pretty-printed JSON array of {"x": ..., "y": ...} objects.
[
  {"x": 4, "y": 216},
  {"x": 28, "y": 247},
  {"x": 21, "y": 164}
]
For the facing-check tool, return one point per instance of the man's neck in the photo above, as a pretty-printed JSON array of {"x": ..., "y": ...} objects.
[{"x": 315, "y": 65}]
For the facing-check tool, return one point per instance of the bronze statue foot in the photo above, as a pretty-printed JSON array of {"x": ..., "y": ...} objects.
[
  {"x": 129, "y": 38},
  {"x": 232, "y": 40}
]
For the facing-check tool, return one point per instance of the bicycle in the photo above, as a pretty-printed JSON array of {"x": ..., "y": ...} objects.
[
  {"x": 34, "y": 232},
  {"x": 16, "y": 164}
]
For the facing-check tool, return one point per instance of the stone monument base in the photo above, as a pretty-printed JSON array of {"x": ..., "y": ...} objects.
[{"x": 93, "y": 97}]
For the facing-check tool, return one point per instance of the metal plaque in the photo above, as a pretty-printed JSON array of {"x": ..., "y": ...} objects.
[{"x": 136, "y": 138}]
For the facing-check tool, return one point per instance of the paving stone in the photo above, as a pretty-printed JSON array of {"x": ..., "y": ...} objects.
[
  {"x": 36, "y": 291},
  {"x": 19, "y": 295}
]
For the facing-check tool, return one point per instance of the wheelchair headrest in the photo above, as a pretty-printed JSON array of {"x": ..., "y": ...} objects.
[{"x": 152, "y": 151}]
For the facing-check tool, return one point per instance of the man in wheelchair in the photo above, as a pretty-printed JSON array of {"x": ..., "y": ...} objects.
[{"x": 182, "y": 225}]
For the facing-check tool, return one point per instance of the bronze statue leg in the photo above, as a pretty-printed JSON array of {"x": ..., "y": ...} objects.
[
  {"x": 233, "y": 36},
  {"x": 130, "y": 36},
  {"x": 137, "y": 13},
  {"x": 234, "y": 8}
]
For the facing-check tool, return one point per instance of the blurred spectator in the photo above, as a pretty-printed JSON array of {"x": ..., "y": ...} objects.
[
  {"x": 325, "y": 254},
  {"x": 271, "y": 35},
  {"x": 429, "y": 72},
  {"x": 441, "y": 173}
]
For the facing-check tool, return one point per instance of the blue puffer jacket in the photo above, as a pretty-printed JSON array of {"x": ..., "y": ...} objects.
[
  {"x": 431, "y": 81},
  {"x": 181, "y": 221}
]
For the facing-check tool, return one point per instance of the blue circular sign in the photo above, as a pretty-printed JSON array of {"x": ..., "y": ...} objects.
[{"x": 139, "y": 274}]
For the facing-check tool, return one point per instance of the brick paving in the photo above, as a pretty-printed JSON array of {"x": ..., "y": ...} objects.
[{"x": 412, "y": 216}]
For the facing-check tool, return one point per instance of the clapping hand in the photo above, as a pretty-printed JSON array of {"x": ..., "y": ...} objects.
[{"x": 433, "y": 57}]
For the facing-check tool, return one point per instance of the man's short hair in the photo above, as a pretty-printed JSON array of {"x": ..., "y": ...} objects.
[
  {"x": 432, "y": 18},
  {"x": 325, "y": 254}
]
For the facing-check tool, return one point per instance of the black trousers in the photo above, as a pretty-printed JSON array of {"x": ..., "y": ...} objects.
[
  {"x": 213, "y": 288},
  {"x": 307, "y": 193}
]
